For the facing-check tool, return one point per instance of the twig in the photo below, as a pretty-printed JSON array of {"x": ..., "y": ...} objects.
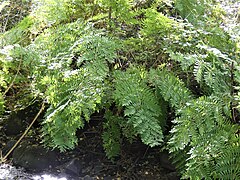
[
  {"x": 24, "y": 134},
  {"x": 232, "y": 92},
  {"x": 19, "y": 66},
  {"x": 5, "y": 25},
  {"x": 1, "y": 157}
]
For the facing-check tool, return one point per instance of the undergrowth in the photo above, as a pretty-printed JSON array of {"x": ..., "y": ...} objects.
[{"x": 132, "y": 60}]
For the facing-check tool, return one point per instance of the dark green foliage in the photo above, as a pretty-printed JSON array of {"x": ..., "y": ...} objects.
[
  {"x": 202, "y": 128},
  {"x": 156, "y": 24},
  {"x": 18, "y": 34},
  {"x": 72, "y": 103},
  {"x": 227, "y": 164},
  {"x": 15, "y": 61},
  {"x": 112, "y": 134},
  {"x": 1, "y": 104}
]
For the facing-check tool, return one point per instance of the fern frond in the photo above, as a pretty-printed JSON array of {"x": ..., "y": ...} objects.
[
  {"x": 191, "y": 9},
  {"x": 111, "y": 135},
  {"x": 186, "y": 60},
  {"x": 171, "y": 88},
  {"x": 73, "y": 101},
  {"x": 142, "y": 109},
  {"x": 202, "y": 126},
  {"x": 156, "y": 23},
  {"x": 198, "y": 70},
  {"x": 75, "y": 94},
  {"x": 1, "y": 104},
  {"x": 227, "y": 163}
]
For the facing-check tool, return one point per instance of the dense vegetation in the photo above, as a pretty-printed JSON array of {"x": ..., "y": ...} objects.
[{"x": 164, "y": 71}]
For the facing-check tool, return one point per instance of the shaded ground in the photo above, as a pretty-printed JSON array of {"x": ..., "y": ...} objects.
[{"x": 88, "y": 159}]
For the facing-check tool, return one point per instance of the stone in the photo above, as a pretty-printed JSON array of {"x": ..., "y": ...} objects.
[
  {"x": 74, "y": 167},
  {"x": 8, "y": 146},
  {"x": 173, "y": 176},
  {"x": 87, "y": 177},
  {"x": 165, "y": 161},
  {"x": 18, "y": 121},
  {"x": 13, "y": 125},
  {"x": 34, "y": 157}
]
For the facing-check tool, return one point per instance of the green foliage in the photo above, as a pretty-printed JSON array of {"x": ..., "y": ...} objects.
[
  {"x": 141, "y": 60},
  {"x": 12, "y": 12},
  {"x": 1, "y": 104},
  {"x": 119, "y": 10},
  {"x": 192, "y": 10},
  {"x": 156, "y": 23},
  {"x": 112, "y": 135},
  {"x": 237, "y": 97},
  {"x": 18, "y": 34},
  {"x": 201, "y": 127},
  {"x": 227, "y": 163},
  {"x": 187, "y": 8},
  {"x": 15, "y": 75},
  {"x": 141, "y": 107},
  {"x": 171, "y": 88},
  {"x": 72, "y": 101},
  {"x": 74, "y": 94}
]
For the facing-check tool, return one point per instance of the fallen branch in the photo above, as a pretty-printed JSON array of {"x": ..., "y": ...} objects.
[{"x": 3, "y": 159}]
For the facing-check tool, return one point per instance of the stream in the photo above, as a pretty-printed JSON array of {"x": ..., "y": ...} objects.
[{"x": 8, "y": 172}]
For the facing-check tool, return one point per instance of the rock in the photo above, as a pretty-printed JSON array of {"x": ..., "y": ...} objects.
[
  {"x": 13, "y": 125},
  {"x": 17, "y": 122},
  {"x": 165, "y": 161},
  {"x": 87, "y": 177},
  {"x": 34, "y": 157},
  {"x": 173, "y": 176},
  {"x": 74, "y": 167},
  {"x": 8, "y": 146}
]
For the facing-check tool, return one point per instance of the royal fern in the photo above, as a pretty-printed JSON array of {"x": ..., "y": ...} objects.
[
  {"x": 141, "y": 108},
  {"x": 75, "y": 82},
  {"x": 171, "y": 88},
  {"x": 202, "y": 127}
]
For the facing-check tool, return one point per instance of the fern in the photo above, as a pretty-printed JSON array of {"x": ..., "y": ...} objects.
[
  {"x": 53, "y": 54},
  {"x": 157, "y": 24},
  {"x": 72, "y": 104},
  {"x": 210, "y": 65},
  {"x": 120, "y": 10},
  {"x": 171, "y": 88},
  {"x": 75, "y": 94},
  {"x": 12, "y": 12},
  {"x": 227, "y": 165},
  {"x": 112, "y": 135},
  {"x": 1, "y": 104},
  {"x": 237, "y": 78},
  {"x": 15, "y": 61},
  {"x": 193, "y": 10},
  {"x": 19, "y": 34},
  {"x": 141, "y": 108},
  {"x": 201, "y": 128}
]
